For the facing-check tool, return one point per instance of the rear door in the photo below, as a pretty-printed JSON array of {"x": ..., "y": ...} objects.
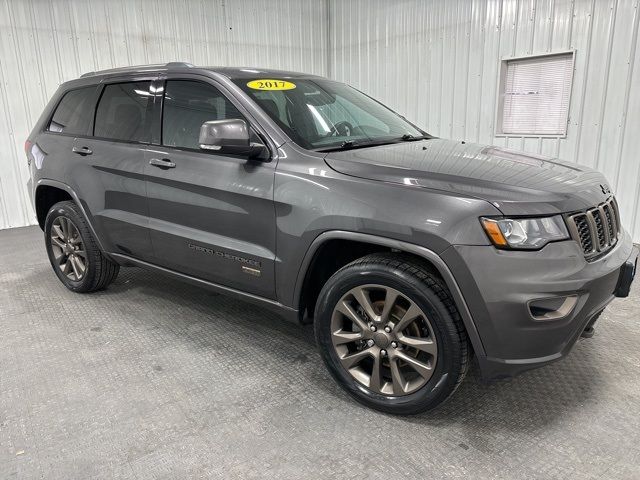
[
  {"x": 211, "y": 215},
  {"x": 111, "y": 165},
  {"x": 71, "y": 118}
]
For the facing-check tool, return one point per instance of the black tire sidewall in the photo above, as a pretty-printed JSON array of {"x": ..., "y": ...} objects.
[
  {"x": 448, "y": 363},
  {"x": 64, "y": 210}
]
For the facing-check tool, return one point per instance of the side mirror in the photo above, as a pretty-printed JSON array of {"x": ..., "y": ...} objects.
[{"x": 231, "y": 136}]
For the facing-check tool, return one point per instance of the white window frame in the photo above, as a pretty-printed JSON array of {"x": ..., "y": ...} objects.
[{"x": 500, "y": 95}]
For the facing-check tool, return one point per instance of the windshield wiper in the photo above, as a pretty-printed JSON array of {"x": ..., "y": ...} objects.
[
  {"x": 350, "y": 144},
  {"x": 407, "y": 137}
]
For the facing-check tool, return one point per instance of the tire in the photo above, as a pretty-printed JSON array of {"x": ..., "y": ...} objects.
[
  {"x": 71, "y": 245},
  {"x": 432, "y": 362}
]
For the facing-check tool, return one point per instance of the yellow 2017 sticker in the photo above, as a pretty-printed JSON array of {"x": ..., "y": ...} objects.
[{"x": 271, "y": 84}]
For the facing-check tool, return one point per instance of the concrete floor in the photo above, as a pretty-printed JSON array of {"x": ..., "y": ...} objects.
[{"x": 157, "y": 379}]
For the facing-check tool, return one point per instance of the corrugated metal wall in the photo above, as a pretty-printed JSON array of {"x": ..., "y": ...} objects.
[
  {"x": 44, "y": 43},
  {"x": 437, "y": 62}
]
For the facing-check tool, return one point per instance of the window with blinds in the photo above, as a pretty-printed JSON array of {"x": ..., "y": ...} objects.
[{"x": 535, "y": 95}]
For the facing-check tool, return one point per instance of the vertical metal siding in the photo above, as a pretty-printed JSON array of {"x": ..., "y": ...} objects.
[
  {"x": 437, "y": 62},
  {"x": 46, "y": 42}
]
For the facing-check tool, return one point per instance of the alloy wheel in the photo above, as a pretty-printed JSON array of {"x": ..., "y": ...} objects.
[
  {"x": 68, "y": 248},
  {"x": 383, "y": 340}
]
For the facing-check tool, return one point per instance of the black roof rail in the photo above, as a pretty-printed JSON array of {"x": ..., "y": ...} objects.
[{"x": 168, "y": 65}]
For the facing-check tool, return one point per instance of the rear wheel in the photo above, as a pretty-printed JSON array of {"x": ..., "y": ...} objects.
[
  {"x": 73, "y": 251},
  {"x": 391, "y": 335}
]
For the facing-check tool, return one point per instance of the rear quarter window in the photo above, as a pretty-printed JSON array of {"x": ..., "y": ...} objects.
[{"x": 73, "y": 113}]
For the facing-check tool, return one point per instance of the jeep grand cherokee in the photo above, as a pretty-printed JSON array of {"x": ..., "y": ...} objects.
[{"x": 409, "y": 253}]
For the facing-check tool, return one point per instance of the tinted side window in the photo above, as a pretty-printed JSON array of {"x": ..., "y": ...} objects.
[
  {"x": 125, "y": 112},
  {"x": 187, "y": 105},
  {"x": 73, "y": 113}
]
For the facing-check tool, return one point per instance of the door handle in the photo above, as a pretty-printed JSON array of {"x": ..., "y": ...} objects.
[
  {"x": 162, "y": 163},
  {"x": 82, "y": 151}
]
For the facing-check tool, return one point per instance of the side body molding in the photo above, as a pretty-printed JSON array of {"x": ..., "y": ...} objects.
[{"x": 418, "y": 250}]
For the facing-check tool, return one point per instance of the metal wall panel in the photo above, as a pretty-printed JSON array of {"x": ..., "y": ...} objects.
[
  {"x": 437, "y": 62},
  {"x": 44, "y": 43}
]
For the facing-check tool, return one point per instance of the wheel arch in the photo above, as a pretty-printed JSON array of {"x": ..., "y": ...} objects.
[
  {"x": 45, "y": 197},
  {"x": 48, "y": 192},
  {"x": 377, "y": 243}
]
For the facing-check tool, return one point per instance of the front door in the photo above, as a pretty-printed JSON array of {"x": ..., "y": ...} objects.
[{"x": 211, "y": 216}]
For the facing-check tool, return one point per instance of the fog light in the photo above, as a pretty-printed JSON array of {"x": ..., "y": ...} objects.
[{"x": 553, "y": 308}]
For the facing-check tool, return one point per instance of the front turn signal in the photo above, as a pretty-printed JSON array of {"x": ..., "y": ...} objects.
[{"x": 495, "y": 234}]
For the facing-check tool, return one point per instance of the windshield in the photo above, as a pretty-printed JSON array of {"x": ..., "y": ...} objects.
[{"x": 324, "y": 115}]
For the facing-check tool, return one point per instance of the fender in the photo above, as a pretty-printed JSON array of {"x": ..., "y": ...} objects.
[
  {"x": 63, "y": 186},
  {"x": 429, "y": 255}
]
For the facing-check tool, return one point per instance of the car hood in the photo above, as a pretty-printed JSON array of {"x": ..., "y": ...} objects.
[{"x": 514, "y": 182}]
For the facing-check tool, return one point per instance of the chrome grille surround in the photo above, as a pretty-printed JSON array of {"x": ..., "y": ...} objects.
[{"x": 597, "y": 230}]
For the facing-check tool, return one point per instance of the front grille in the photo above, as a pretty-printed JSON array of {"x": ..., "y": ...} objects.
[
  {"x": 597, "y": 229},
  {"x": 602, "y": 241},
  {"x": 584, "y": 234},
  {"x": 609, "y": 216}
]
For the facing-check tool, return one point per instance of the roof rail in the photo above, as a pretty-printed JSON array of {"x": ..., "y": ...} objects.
[
  {"x": 168, "y": 65},
  {"x": 179, "y": 65}
]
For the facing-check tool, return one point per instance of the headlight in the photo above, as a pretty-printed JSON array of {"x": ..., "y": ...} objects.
[{"x": 525, "y": 233}]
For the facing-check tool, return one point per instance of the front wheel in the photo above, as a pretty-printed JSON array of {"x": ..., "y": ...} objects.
[{"x": 390, "y": 334}]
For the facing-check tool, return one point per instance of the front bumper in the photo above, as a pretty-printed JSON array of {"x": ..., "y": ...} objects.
[{"x": 499, "y": 286}]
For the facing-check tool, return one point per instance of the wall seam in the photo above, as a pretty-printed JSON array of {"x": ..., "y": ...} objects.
[
  {"x": 605, "y": 87},
  {"x": 25, "y": 105},
  {"x": 585, "y": 79},
  {"x": 226, "y": 32},
  {"x": 328, "y": 44},
  {"x": 627, "y": 94}
]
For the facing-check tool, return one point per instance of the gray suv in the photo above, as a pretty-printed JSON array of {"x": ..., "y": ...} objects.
[{"x": 410, "y": 254}]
